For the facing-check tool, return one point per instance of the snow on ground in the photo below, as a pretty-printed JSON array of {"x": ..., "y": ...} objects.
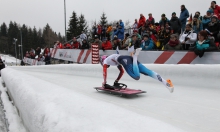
[
  {"x": 15, "y": 124},
  {"x": 2, "y": 121},
  {"x": 9, "y": 60},
  {"x": 62, "y": 96}
]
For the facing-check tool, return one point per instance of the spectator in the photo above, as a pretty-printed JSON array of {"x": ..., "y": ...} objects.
[
  {"x": 75, "y": 44},
  {"x": 143, "y": 30},
  {"x": 67, "y": 46},
  {"x": 135, "y": 42},
  {"x": 175, "y": 24},
  {"x": 167, "y": 35},
  {"x": 151, "y": 19},
  {"x": 27, "y": 54},
  {"x": 94, "y": 31},
  {"x": 46, "y": 51},
  {"x": 213, "y": 27},
  {"x": 2, "y": 66},
  {"x": 163, "y": 20},
  {"x": 98, "y": 41},
  {"x": 216, "y": 9},
  {"x": 85, "y": 44},
  {"x": 106, "y": 45},
  {"x": 207, "y": 18},
  {"x": 183, "y": 17},
  {"x": 141, "y": 22},
  {"x": 38, "y": 50},
  {"x": 147, "y": 43},
  {"x": 59, "y": 45},
  {"x": 161, "y": 34},
  {"x": 174, "y": 43},
  {"x": 32, "y": 55},
  {"x": 188, "y": 37},
  {"x": 41, "y": 58},
  {"x": 199, "y": 16},
  {"x": 103, "y": 34},
  {"x": 33, "y": 50},
  {"x": 120, "y": 32},
  {"x": 116, "y": 43},
  {"x": 196, "y": 24},
  {"x": 82, "y": 36},
  {"x": 99, "y": 31},
  {"x": 138, "y": 35},
  {"x": 124, "y": 44},
  {"x": 135, "y": 25},
  {"x": 203, "y": 44},
  {"x": 121, "y": 24},
  {"x": 109, "y": 32}
]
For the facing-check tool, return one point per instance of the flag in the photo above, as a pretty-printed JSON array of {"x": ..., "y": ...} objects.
[{"x": 190, "y": 19}]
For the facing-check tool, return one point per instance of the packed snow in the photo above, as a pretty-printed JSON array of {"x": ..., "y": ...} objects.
[
  {"x": 9, "y": 60},
  {"x": 62, "y": 98}
]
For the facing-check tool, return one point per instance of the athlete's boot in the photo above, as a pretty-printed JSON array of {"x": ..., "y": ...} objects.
[{"x": 170, "y": 86}]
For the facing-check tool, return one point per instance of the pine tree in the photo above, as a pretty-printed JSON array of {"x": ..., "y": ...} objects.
[
  {"x": 3, "y": 30},
  {"x": 73, "y": 26},
  {"x": 82, "y": 24},
  {"x": 3, "y": 38},
  {"x": 103, "y": 20}
]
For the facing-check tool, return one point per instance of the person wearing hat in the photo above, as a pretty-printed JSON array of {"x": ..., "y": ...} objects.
[
  {"x": 167, "y": 35},
  {"x": 175, "y": 24},
  {"x": 207, "y": 18},
  {"x": 134, "y": 41},
  {"x": 85, "y": 44},
  {"x": 147, "y": 43},
  {"x": 173, "y": 44},
  {"x": 116, "y": 43},
  {"x": 214, "y": 27},
  {"x": 106, "y": 45},
  {"x": 203, "y": 44},
  {"x": 183, "y": 17},
  {"x": 163, "y": 20},
  {"x": 196, "y": 24},
  {"x": 97, "y": 41},
  {"x": 216, "y": 9},
  {"x": 188, "y": 37}
]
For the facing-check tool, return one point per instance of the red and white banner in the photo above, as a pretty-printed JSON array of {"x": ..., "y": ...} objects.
[
  {"x": 145, "y": 57},
  {"x": 74, "y": 55},
  {"x": 95, "y": 54}
]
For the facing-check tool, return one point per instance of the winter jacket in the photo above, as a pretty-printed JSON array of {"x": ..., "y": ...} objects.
[
  {"x": 135, "y": 26},
  {"x": 163, "y": 22},
  {"x": 115, "y": 45},
  {"x": 75, "y": 45},
  {"x": 141, "y": 22},
  {"x": 175, "y": 24},
  {"x": 68, "y": 46},
  {"x": 137, "y": 43},
  {"x": 109, "y": 29},
  {"x": 99, "y": 30},
  {"x": 183, "y": 16},
  {"x": 191, "y": 35},
  {"x": 214, "y": 28},
  {"x": 147, "y": 45},
  {"x": 151, "y": 21},
  {"x": 107, "y": 45},
  {"x": 203, "y": 46},
  {"x": 120, "y": 33},
  {"x": 205, "y": 21},
  {"x": 217, "y": 11},
  {"x": 122, "y": 25},
  {"x": 85, "y": 46}
]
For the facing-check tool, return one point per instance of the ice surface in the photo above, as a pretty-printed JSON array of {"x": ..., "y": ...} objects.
[{"x": 62, "y": 97}]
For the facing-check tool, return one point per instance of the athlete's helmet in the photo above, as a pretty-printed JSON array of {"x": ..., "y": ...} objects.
[{"x": 102, "y": 58}]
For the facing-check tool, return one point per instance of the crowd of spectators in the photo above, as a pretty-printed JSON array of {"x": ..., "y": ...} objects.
[
  {"x": 39, "y": 54},
  {"x": 195, "y": 32}
]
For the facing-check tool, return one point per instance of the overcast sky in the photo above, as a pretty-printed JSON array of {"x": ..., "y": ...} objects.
[{"x": 39, "y": 12}]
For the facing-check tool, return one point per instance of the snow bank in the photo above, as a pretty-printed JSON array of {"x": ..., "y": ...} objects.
[
  {"x": 15, "y": 123},
  {"x": 45, "y": 107}
]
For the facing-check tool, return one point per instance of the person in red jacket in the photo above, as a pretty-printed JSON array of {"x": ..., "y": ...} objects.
[
  {"x": 99, "y": 30},
  {"x": 59, "y": 45},
  {"x": 106, "y": 45},
  {"x": 68, "y": 46},
  {"x": 141, "y": 22},
  {"x": 215, "y": 8},
  {"x": 76, "y": 44}
]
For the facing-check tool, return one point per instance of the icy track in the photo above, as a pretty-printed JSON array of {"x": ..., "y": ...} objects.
[{"x": 62, "y": 98}]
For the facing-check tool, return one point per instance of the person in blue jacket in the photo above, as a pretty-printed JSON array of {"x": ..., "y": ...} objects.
[
  {"x": 121, "y": 24},
  {"x": 120, "y": 33},
  {"x": 147, "y": 43},
  {"x": 183, "y": 16},
  {"x": 207, "y": 18}
]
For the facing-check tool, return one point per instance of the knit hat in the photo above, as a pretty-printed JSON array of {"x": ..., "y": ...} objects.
[
  {"x": 214, "y": 16},
  {"x": 174, "y": 13},
  {"x": 127, "y": 34},
  {"x": 146, "y": 35},
  {"x": 210, "y": 11},
  {"x": 163, "y": 15}
]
